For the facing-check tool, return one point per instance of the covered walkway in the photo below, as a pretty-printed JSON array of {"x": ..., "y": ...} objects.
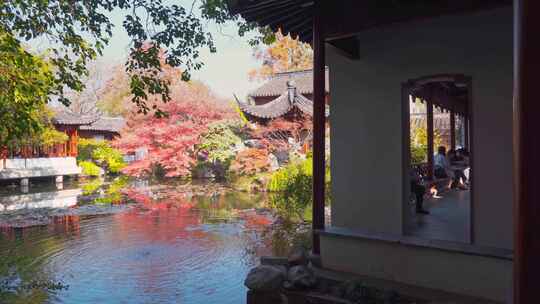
[{"x": 449, "y": 219}]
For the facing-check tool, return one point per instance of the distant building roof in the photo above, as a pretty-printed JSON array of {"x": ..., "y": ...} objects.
[
  {"x": 278, "y": 84},
  {"x": 284, "y": 103},
  {"x": 64, "y": 116},
  {"x": 440, "y": 121},
  {"x": 110, "y": 124}
]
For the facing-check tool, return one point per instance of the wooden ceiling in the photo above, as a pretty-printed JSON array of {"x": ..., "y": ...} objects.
[
  {"x": 291, "y": 16},
  {"x": 345, "y": 18},
  {"x": 450, "y": 93}
]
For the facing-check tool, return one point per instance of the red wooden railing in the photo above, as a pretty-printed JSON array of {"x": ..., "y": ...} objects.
[
  {"x": 66, "y": 149},
  {"x": 34, "y": 151}
]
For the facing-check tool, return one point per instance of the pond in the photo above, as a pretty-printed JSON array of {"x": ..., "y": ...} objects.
[{"x": 134, "y": 242}]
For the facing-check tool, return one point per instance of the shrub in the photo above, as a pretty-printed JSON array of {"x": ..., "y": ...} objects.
[
  {"x": 251, "y": 161},
  {"x": 102, "y": 153},
  {"x": 92, "y": 186},
  {"x": 86, "y": 147},
  {"x": 220, "y": 141},
  {"x": 292, "y": 186},
  {"x": 419, "y": 146},
  {"x": 50, "y": 136},
  {"x": 110, "y": 157},
  {"x": 89, "y": 168},
  {"x": 418, "y": 154}
]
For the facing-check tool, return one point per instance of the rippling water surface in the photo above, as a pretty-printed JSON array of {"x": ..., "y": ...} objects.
[{"x": 165, "y": 249}]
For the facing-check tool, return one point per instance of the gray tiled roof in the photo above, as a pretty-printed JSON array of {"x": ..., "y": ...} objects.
[
  {"x": 278, "y": 84},
  {"x": 111, "y": 124},
  {"x": 440, "y": 121},
  {"x": 281, "y": 105},
  {"x": 64, "y": 116}
]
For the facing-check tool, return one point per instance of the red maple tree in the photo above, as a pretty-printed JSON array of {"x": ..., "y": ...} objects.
[{"x": 170, "y": 141}]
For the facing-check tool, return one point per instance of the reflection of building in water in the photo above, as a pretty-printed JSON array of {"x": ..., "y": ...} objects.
[
  {"x": 57, "y": 199},
  {"x": 67, "y": 223}
]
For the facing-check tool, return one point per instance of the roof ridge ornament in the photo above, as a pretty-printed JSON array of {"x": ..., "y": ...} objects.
[{"x": 291, "y": 88}]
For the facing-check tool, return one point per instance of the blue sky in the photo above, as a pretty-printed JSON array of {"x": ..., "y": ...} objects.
[{"x": 225, "y": 72}]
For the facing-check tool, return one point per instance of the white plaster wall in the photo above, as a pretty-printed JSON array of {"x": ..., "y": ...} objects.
[
  {"x": 15, "y": 164},
  {"x": 367, "y": 116},
  {"x": 478, "y": 276},
  {"x": 36, "y": 167},
  {"x": 36, "y": 163},
  {"x": 56, "y": 162}
]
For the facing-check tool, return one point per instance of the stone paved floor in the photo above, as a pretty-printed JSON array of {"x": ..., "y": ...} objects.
[{"x": 449, "y": 219}]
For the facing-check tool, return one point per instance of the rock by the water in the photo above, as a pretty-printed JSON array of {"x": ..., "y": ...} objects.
[
  {"x": 23, "y": 218},
  {"x": 298, "y": 256},
  {"x": 282, "y": 156},
  {"x": 301, "y": 277},
  {"x": 265, "y": 278},
  {"x": 254, "y": 143},
  {"x": 315, "y": 260},
  {"x": 274, "y": 261},
  {"x": 284, "y": 271},
  {"x": 204, "y": 172},
  {"x": 274, "y": 163},
  {"x": 354, "y": 291}
]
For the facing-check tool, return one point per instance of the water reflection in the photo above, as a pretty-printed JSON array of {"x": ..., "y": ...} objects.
[
  {"x": 175, "y": 245},
  {"x": 56, "y": 199}
]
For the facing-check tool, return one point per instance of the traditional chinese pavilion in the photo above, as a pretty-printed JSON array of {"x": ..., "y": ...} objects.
[
  {"x": 478, "y": 59},
  {"x": 104, "y": 128},
  {"x": 288, "y": 95},
  {"x": 57, "y": 160}
]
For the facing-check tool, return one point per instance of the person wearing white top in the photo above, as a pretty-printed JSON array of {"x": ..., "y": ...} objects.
[{"x": 441, "y": 166}]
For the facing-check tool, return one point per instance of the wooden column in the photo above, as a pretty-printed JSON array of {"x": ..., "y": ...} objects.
[
  {"x": 74, "y": 142},
  {"x": 318, "y": 124},
  {"x": 430, "y": 131},
  {"x": 526, "y": 152},
  {"x": 466, "y": 133},
  {"x": 452, "y": 130}
]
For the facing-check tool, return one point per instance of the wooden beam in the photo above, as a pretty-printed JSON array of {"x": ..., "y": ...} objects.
[
  {"x": 526, "y": 153},
  {"x": 452, "y": 130},
  {"x": 318, "y": 124},
  {"x": 430, "y": 131}
]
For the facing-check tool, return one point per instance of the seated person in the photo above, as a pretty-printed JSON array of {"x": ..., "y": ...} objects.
[
  {"x": 441, "y": 166},
  {"x": 419, "y": 191},
  {"x": 460, "y": 163},
  {"x": 466, "y": 161}
]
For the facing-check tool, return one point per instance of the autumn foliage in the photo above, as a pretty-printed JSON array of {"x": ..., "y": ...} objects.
[
  {"x": 199, "y": 128},
  {"x": 251, "y": 161},
  {"x": 170, "y": 141},
  {"x": 284, "y": 55}
]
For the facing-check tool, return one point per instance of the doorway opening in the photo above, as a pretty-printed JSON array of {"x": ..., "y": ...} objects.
[{"x": 438, "y": 158}]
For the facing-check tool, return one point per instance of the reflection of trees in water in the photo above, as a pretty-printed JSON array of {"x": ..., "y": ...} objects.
[
  {"x": 23, "y": 278},
  {"x": 100, "y": 191},
  {"x": 286, "y": 234},
  {"x": 278, "y": 238},
  {"x": 205, "y": 227}
]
